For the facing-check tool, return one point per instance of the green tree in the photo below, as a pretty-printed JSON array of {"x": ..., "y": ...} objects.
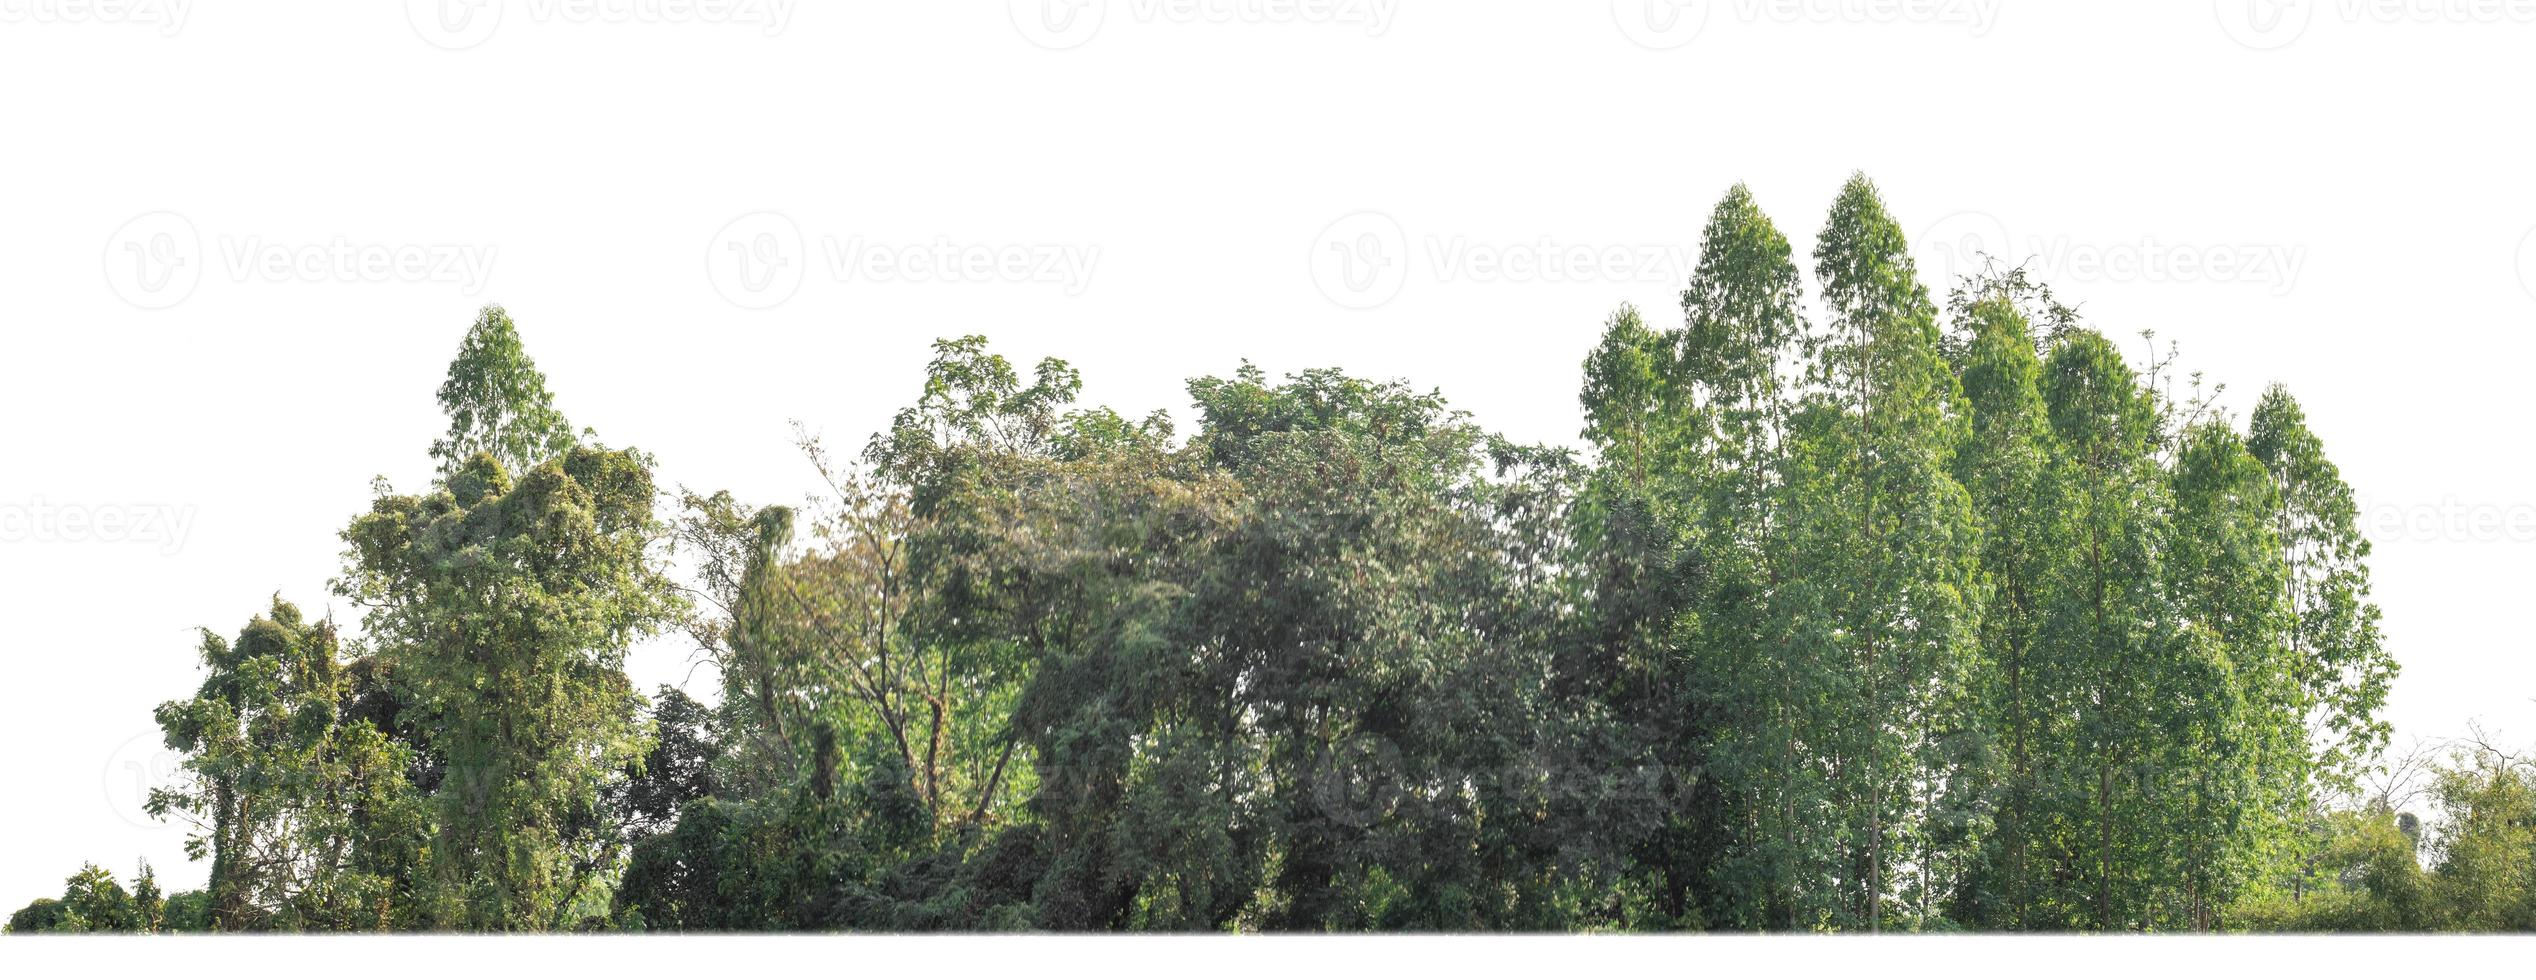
[
  {"x": 1881, "y": 549},
  {"x": 497, "y": 402},
  {"x": 1690, "y": 426},
  {"x": 2244, "y": 748},
  {"x": 2128, "y": 675},
  {"x": 2485, "y": 878},
  {"x": 2337, "y": 655},
  {"x": 2006, "y": 465},
  {"x": 507, "y": 608},
  {"x": 306, "y": 815}
]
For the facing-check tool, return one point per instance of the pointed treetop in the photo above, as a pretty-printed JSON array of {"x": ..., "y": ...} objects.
[{"x": 497, "y": 402}]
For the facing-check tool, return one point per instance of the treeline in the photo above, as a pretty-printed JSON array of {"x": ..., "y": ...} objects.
[{"x": 1860, "y": 614}]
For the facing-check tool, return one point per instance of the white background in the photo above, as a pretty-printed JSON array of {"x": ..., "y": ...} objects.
[{"x": 2322, "y": 194}]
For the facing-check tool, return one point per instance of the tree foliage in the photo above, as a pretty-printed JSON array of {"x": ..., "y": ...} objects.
[{"x": 1853, "y": 614}]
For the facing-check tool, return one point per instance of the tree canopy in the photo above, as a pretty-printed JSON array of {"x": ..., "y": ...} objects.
[{"x": 1857, "y": 607}]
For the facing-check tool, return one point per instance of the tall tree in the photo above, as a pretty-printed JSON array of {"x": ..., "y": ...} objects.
[
  {"x": 497, "y": 402},
  {"x": 2245, "y": 738},
  {"x": 1889, "y": 549},
  {"x": 502, "y": 602},
  {"x": 2006, "y": 465},
  {"x": 2337, "y": 654},
  {"x": 2113, "y": 630},
  {"x": 507, "y": 609},
  {"x": 1726, "y": 404}
]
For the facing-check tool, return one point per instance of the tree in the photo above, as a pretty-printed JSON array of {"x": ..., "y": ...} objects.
[
  {"x": 1373, "y": 651},
  {"x": 677, "y": 770},
  {"x": 1881, "y": 555},
  {"x": 1691, "y": 429},
  {"x": 2485, "y": 879},
  {"x": 2245, "y": 746},
  {"x": 2337, "y": 656},
  {"x": 1848, "y": 623},
  {"x": 497, "y": 402},
  {"x": 2108, "y": 628},
  {"x": 506, "y": 608},
  {"x": 306, "y": 814},
  {"x": 2006, "y": 465}
]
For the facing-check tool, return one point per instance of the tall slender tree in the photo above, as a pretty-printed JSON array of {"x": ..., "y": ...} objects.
[
  {"x": 2006, "y": 465},
  {"x": 1729, "y": 394},
  {"x": 2337, "y": 654},
  {"x": 1892, "y": 544},
  {"x": 2245, "y": 736},
  {"x": 2113, "y": 632}
]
